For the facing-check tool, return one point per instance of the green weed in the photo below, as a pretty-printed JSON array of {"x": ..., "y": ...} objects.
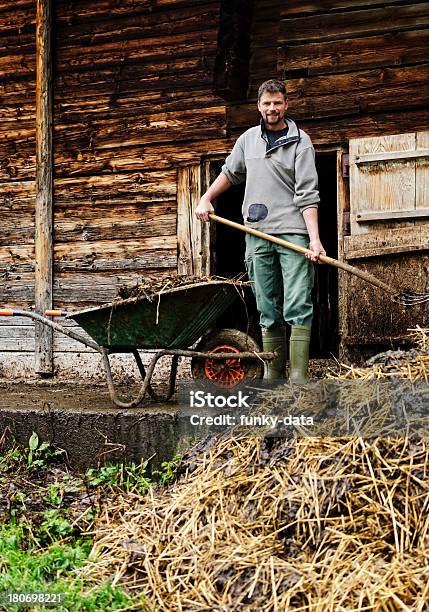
[
  {"x": 27, "y": 567},
  {"x": 128, "y": 478},
  {"x": 39, "y": 455},
  {"x": 167, "y": 473}
]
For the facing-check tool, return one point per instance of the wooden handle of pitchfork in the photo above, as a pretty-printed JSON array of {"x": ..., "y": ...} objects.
[{"x": 366, "y": 276}]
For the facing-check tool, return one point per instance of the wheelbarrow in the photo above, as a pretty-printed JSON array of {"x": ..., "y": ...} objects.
[{"x": 167, "y": 325}]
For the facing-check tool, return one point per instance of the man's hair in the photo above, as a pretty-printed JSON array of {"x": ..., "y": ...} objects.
[{"x": 272, "y": 86}]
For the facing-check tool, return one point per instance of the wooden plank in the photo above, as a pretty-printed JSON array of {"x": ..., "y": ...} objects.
[
  {"x": 90, "y": 230},
  {"x": 100, "y": 255},
  {"x": 380, "y": 215},
  {"x": 172, "y": 85},
  {"x": 17, "y": 18},
  {"x": 5, "y": 5},
  {"x": 126, "y": 159},
  {"x": 164, "y": 225},
  {"x": 120, "y": 248},
  {"x": 348, "y": 24},
  {"x": 80, "y": 11},
  {"x": 358, "y": 82},
  {"x": 137, "y": 50},
  {"x": 21, "y": 338},
  {"x": 76, "y": 289},
  {"x": 169, "y": 21},
  {"x": 109, "y": 190},
  {"x": 116, "y": 187},
  {"x": 387, "y": 156},
  {"x": 43, "y": 240},
  {"x": 105, "y": 93},
  {"x": 296, "y": 7},
  {"x": 422, "y": 172},
  {"x": 377, "y": 51},
  {"x": 192, "y": 235},
  {"x": 24, "y": 322},
  {"x": 387, "y": 242},
  {"x": 159, "y": 128}
]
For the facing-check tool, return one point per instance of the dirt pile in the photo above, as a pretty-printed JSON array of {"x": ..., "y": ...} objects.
[{"x": 275, "y": 524}]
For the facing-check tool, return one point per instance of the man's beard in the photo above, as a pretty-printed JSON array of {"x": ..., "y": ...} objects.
[{"x": 273, "y": 119}]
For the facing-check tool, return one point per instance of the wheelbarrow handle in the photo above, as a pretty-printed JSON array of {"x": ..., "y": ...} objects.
[
  {"x": 366, "y": 276},
  {"x": 17, "y": 312}
]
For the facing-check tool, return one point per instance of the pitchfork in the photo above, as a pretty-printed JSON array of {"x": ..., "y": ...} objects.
[{"x": 405, "y": 297}]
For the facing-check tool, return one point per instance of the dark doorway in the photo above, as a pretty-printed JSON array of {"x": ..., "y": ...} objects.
[
  {"x": 324, "y": 338},
  {"x": 229, "y": 260}
]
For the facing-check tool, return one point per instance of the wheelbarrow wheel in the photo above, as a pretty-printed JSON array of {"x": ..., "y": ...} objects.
[{"x": 227, "y": 374}]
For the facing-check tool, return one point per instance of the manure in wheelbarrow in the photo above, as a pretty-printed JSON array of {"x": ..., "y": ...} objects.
[{"x": 151, "y": 288}]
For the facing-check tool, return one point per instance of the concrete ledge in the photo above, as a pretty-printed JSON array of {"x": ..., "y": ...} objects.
[{"x": 82, "y": 420}]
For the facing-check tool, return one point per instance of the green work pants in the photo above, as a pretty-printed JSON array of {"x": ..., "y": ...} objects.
[{"x": 282, "y": 281}]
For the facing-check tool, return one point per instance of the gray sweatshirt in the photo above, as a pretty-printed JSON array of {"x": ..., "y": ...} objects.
[{"x": 281, "y": 181}]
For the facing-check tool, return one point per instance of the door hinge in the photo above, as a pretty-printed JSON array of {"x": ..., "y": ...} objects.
[{"x": 345, "y": 165}]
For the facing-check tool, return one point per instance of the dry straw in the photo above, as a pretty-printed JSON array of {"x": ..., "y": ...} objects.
[
  {"x": 275, "y": 524},
  {"x": 411, "y": 365},
  {"x": 253, "y": 524}
]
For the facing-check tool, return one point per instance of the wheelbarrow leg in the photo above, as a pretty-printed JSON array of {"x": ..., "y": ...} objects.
[
  {"x": 146, "y": 376},
  {"x": 171, "y": 382}
]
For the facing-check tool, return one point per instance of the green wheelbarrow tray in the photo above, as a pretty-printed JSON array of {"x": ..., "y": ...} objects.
[
  {"x": 174, "y": 319},
  {"x": 170, "y": 323}
]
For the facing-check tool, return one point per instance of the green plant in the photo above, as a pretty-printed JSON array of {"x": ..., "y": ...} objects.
[
  {"x": 121, "y": 477},
  {"x": 10, "y": 460},
  {"x": 54, "y": 495},
  {"x": 39, "y": 454},
  {"x": 26, "y": 567},
  {"x": 108, "y": 474},
  {"x": 17, "y": 505},
  {"x": 167, "y": 473},
  {"x": 54, "y": 526}
]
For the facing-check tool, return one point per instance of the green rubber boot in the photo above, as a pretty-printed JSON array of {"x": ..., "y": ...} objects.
[
  {"x": 274, "y": 340},
  {"x": 299, "y": 347}
]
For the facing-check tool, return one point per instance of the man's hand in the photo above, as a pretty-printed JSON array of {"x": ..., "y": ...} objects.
[
  {"x": 204, "y": 209},
  {"x": 316, "y": 249}
]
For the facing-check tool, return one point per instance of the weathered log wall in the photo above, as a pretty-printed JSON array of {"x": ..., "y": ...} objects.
[
  {"x": 133, "y": 99},
  {"x": 353, "y": 67},
  {"x": 17, "y": 149}
]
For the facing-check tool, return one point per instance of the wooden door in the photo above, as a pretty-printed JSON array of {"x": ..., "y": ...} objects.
[{"x": 389, "y": 235}]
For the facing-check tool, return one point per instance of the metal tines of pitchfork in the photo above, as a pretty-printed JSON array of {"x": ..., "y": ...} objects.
[{"x": 407, "y": 297}]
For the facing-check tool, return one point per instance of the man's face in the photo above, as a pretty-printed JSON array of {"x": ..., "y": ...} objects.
[{"x": 272, "y": 107}]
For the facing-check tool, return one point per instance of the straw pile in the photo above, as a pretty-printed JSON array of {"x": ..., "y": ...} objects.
[
  {"x": 282, "y": 523},
  {"x": 268, "y": 524}
]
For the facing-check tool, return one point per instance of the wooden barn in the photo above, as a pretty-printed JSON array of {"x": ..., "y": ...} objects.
[{"x": 115, "y": 114}]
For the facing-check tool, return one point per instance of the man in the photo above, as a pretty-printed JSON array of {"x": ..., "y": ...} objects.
[{"x": 276, "y": 159}]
